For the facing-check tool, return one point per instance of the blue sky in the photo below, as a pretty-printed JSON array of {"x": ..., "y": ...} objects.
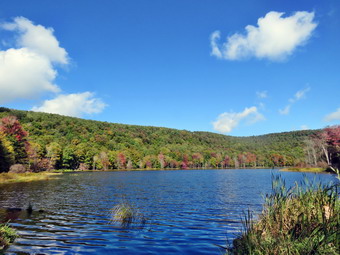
[{"x": 181, "y": 64}]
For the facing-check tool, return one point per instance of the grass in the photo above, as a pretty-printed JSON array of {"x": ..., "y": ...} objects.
[
  {"x": 305, "y": 169},
  {"x": 125, "y": 214},
  {"x": 26, "y": 177},
  {"x": 7, "y": 236},
  {"x": 301, "y": 220}
]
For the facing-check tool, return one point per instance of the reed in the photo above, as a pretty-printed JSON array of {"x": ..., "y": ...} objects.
[
  {"x": 126, "y": 214},
  {"x": 301, "y": 220}
]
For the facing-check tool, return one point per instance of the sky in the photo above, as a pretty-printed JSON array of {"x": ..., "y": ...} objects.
[{"x": 234, "y": 67}]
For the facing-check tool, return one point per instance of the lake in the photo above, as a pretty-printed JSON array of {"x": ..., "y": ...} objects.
[{"x": 186, "y": 211}]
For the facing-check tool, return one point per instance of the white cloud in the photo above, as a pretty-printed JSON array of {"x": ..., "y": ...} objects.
[
  {"x": 261, "y": 94},
  {"x": 227, "y": 121},
  {"x": 274, "y": 38},
  {"x": 333, "y": 116},
  {"x": 38, "y": 39},
  {"x": 215, "y": 51},
  {"x": 24, "y": 74},
  {"x": 304, "y": 127},
  {"x": 28, "y": 70},
  {"x": 301, "y": 94},
  {"x": 72, "y": 105}
]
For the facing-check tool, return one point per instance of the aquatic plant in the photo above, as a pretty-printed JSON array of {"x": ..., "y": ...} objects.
[
  {"x": 26, "y": 177},
  {"x": 125, "y": 214},
  {"x": 7, "y": 236},
  {"x": 301, "y": 220}
]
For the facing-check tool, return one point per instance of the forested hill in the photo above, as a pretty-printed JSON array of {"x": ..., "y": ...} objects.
[{"x": 55, "y": 141}]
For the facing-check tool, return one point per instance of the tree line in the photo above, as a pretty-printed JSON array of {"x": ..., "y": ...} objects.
[{"x": 41, "y": 141}]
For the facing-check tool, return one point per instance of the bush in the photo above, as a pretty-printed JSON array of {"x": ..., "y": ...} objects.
[
  {"x": 300, "y": 220},
  {"x": 17, "y": 169}
]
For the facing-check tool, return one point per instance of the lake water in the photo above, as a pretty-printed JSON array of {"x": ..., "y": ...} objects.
[{"x": 186, "y": 211}]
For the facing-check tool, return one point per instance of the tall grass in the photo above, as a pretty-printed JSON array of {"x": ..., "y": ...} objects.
[
  {"x": 7, "y": 236},
  {"x": 26, "y": 177},
  {"x": 301, "y": 220},
  {"x": 125, "y": 214}
]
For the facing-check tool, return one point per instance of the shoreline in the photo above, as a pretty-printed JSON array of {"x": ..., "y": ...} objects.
[{"x": 7, "y": 178}]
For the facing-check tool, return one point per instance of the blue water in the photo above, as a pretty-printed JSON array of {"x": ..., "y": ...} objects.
[{"x": 186, "y": 211}]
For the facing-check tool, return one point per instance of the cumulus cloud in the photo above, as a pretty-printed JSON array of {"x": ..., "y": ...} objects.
[
  {"x": 72, "y": 105},
  {"x": 275, "y": 37},
  {"x": 28, "y": 69},
  {"x": 333, "y": 116},
  {"x": 38, "y": 39},
  {"x": 301, "y": 94},
  {"x": 227, "y": 121},
  {"x": 23, "y": 74},
  {"x": 304, "y": 127}
]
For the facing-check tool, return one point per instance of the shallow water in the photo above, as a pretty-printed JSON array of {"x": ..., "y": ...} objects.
[{"x": 186, "y": 212}]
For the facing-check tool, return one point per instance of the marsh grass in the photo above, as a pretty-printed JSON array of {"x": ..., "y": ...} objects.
[
  {"x": 305, "y": 169},
  {"x": 7, "y": 236},
  {"x": 126, "y": 214},
  {"x": 26, "y": 177},
  {"x": 301, "y": 220}
]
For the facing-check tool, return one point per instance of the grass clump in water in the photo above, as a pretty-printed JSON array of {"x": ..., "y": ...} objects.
[
  {"x": 7, "y": 236},
  {"x": 300, "y": 220},
  {"x": 125, "y": 214}
]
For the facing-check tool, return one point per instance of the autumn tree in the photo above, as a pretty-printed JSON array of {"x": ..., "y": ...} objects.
[
  {"x": 17, "y": 136},
  {"x": 331, "y": 145}
]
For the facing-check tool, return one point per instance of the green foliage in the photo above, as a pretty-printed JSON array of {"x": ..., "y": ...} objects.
[
  {"x": 7, "y": 157},
  {"x": 301, "y": 220},
  {"x": 67, "y": 142},
  {"x": 7, "y": 236}
]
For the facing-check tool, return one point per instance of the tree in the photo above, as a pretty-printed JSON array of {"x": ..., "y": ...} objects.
[
  {"x": 226, "y": 161},
  {"x": 15, "y": 133},
  {"x": 250, "y": 159},
  {"x": 197, "y": 159},
  {"x": 161, "y": 160},
  {"x": 104, "y": 159},
  {"x": 121, "y": 160},
  {"x": 34, "y": 153},
  {"x": 70, "y": 158},
  {"x": 331, "y": 145},
  {"x": 54, "y": 154},
  {"x": 7, "y": 157}
]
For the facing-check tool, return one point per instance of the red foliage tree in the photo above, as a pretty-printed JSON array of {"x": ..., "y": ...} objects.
[
  {"x": 12, "y": 128},
  {"x": 121, "y": 160},
  {"x": 330, "y": 142}
]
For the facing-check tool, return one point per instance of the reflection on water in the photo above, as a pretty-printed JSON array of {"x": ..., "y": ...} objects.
[{"x": 186, "y": 212}]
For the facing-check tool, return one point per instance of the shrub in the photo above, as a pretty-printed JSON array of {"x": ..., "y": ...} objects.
[{"x": 17, "y": 169}]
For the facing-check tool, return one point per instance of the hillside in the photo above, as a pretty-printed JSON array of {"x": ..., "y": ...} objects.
[{"x": 57, "y": 141}]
